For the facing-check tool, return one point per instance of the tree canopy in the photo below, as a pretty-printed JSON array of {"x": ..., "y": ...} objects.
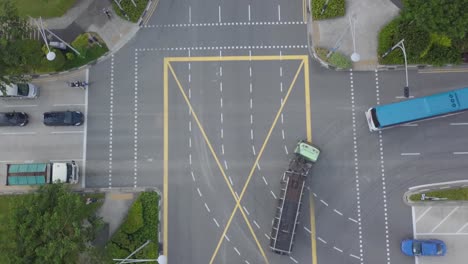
[
  {"x": 17, "y": 55},
  {"x": 49, "y": 226},
  {"x": 446, "y": 17}
]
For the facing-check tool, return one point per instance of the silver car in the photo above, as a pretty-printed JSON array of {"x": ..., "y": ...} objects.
[{"x": 20, "y": 91}]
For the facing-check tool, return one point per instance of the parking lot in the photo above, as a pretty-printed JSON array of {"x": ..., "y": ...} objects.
[
  {"x": 448, "y": 223},
  {"x": 36, "y": 142}
]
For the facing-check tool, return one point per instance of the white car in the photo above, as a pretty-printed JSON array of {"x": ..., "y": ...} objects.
[{"x": 20, "y": 91}]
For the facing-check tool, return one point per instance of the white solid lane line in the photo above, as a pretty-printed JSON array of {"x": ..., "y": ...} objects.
[
  {"x": 68, "y": 104},
  {"x": 460, "y": 153},
  {"x": 459, "y": 124},
  {"x": 19, "y": 105},
  {"x": 19, "y": 133},
  {"x": 249, "y": 12},
  {"x": 190, "y": 14},
  {"x": 410, "y": 154},
  {"x": 279, "y": 13},
  {"x": 68, "y": 132}
]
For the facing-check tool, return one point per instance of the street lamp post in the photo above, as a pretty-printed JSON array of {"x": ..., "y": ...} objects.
[
  {"x": 401, "y": 45},
  {"x": 355, "y": 57}
]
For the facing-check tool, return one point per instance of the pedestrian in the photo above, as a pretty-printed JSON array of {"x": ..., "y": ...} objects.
[{"x": 107, "y": 12}]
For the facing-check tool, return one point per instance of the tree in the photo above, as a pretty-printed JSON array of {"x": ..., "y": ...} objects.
[
  {"x": 49, "y": 226},
  {"x": 446, "y": 17},
  {"x": 13, "y": 61}
]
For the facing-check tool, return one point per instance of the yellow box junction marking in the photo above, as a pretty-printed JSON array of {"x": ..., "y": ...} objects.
[{"x": 167, "y": 67}]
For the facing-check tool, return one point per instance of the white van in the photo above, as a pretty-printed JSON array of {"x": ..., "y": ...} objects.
[{"x": 20, "y": 91}]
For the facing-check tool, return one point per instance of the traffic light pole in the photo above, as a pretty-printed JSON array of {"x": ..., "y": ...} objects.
[{"x": 401, "y": 45}]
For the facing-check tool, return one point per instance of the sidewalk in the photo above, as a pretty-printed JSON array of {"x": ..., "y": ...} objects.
[
  {"x": 88, "y": 16},
  {"x": 370, "y": 17}
]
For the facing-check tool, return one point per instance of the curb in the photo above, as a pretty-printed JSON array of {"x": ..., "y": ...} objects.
[{"x": 438, "y": 186}]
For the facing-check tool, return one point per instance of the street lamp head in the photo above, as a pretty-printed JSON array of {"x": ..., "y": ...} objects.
[
  {"x": 162, "y": 259},
  {"x": 355, "y": 57},
  {"x": 51, "y": 56}
]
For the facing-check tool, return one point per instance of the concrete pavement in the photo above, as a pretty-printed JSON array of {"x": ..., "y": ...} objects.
[
  {"x": 370, "y": 16},
  {"x": 87, "y": 16}
]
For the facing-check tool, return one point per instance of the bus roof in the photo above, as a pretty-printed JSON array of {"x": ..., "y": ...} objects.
[
  {"x": 423, "y": 107},
  {"x": 308, "y": 151}
]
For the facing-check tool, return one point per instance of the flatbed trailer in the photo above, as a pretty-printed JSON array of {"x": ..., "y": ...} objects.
[{"x": 289, "y": 202}]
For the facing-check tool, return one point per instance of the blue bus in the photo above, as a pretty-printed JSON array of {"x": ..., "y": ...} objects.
[{"x": 417, "y": 109}]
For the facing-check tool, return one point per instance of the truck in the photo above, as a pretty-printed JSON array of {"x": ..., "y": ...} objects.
[
  {"x": 289, "y": 201},
  {"x": 42, "y": 173}
]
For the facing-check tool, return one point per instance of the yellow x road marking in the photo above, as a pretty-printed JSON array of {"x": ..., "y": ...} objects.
[{"x": 167, "y": 67}]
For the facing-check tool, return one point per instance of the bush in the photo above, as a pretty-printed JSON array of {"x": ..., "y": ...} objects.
[
  {"x": 81, "y": 44},
  {"x": 336, "y": 8},
  {"x": 417, "y": 40},
  {"x": 89, "y": 52},
  {"x": 141, "y": 225},
  {"x": 439, "y": 55},
  {"x": 134, "y": 219},
  {"x": 132, "y": 12},
  {"x": 70, "y": 56},
  {"x": 388, "y": 36}
]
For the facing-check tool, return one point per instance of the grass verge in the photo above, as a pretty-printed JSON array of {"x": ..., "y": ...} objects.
[
  {"x": 456, "y": 194},
  {"x": 44, "y": 9},
  {"x": 336, "y": 59}
]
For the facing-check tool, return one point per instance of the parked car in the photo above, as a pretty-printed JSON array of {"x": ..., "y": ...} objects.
[
  {"x": 427, "y": 247},
  {"x": 63, "y": 118},
  {"x": 13, "y": 119},
  {"x": 20, "y": 91}
]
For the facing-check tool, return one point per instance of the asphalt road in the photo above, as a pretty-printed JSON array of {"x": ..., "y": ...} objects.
[
  {"x": 35, "y": 142},
  {"x": 357, "y": 184}
]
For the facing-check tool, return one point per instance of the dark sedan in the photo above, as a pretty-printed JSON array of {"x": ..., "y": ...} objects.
[
  {"x": 63, "y": 118},
  {"x": 13, "y": 119}
]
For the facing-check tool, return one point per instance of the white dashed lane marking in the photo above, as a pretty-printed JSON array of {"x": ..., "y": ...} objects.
[
  {"x": 356, "y": 165},
  {"x": 216, "y": 222},
  {"x": 135, "y": 122},
  {"x": 321, "y": 240},
  {"x": 322, "y": 201},
  {"x": 338, "y": 212},
  {"x": 249, "y": 23},
  {"x": 207, "y": 208},
  {"x": 226, "y": 48},
  {"x": 337, "y": 249},
  {"x": 410, "y": 154},
  {"x": 111, "y": 119},
  {"x": 382, "y": 167}
]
